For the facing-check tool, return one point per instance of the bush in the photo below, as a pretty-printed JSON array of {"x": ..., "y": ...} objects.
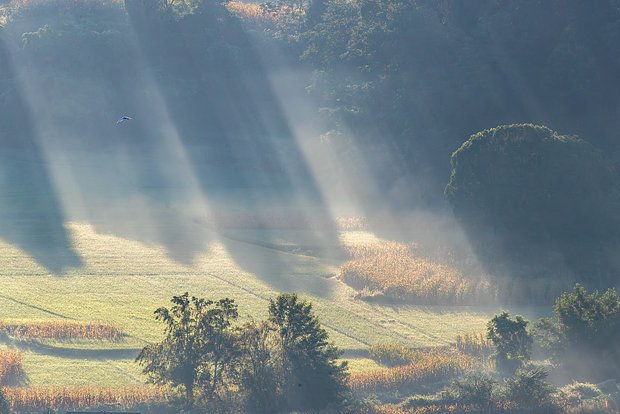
[
  {"x": 579, "y": 393},
  {"x": 529, "y": 389},
  {"x": 475, "y": 388}
]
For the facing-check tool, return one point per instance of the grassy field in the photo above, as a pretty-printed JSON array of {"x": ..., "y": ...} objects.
[{"x": 123, "y": 281}]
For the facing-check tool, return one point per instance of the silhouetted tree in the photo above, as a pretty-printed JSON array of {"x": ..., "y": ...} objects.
[
  {"x": 513, "y": 343},
  {"x": 261, "y": 371},
  {"x": 198, "y": 349},
  {"x": 529, "y": 389},
  {"x": 316, "y": 378},
  {"x": 527, "y": 195}
]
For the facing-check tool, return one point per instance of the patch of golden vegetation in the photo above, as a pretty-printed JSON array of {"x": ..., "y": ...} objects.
[
  {"x": 62, "y": 330},
  {"x": 400, "y": 271},
  {"x": 22, "y": 399},
  {"x": 425, "y": 367}
]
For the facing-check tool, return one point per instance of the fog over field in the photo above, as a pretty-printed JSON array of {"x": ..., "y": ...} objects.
[{"x": 384, "y": 176}]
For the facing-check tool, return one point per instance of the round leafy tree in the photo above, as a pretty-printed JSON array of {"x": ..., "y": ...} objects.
[{"x": 532, "y": 197}]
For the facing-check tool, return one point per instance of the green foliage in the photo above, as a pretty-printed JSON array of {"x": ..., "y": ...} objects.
[
  {"x": 476, "y": 387},
  {"x": 317, "y": 378},
  {"x": 262, "y": 368},
  {"x": 529, "y": 389},
  {"x": 584, "y": 331},
  {"x": 198, "y": 347},
  {"x": 537, "y": 199},
  {"x": 513, "y": 343},
  {"x": 579, "y": 393},
  {"x": 589, "y": 318},
  {"x": 391, "y": 353}
]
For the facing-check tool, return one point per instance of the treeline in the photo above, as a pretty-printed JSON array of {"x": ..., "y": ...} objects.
[
  {"x": 412, "y": 79},
  {"x": 408, "y": 81}
]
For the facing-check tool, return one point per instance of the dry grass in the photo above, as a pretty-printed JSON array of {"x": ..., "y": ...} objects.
[
  {"x": 401, "y": 272},
  {"x": 62, "y": 330},
  {"x": 426, "y": 367},
  {"x": 55, "y": 398},
  {"x": 474, "y": 344},
  {"x": 11, "y": 367}
]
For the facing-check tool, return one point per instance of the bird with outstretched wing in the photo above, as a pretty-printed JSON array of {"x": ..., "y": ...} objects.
[{"x": 123, "y": 118}]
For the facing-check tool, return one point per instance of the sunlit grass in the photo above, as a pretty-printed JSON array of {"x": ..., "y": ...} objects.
[{"x": 123, "y": 281}]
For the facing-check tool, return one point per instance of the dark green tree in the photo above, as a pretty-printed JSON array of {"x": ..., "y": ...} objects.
[
  {"x": 261, "y": 368},
  {"x": 536, "y": 199},
  {"x": 198, "y": 350},
  {"x": 512, "y": 341},
  {"x": 584, "y": 332},
  {"x": 316, "y": 378}
]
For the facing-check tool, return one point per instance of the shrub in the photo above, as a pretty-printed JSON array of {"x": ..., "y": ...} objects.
[
  {"x": 578, "y": 394},
  {"x": 475, "y": 388},
  {"x": 529, "y": 389}
]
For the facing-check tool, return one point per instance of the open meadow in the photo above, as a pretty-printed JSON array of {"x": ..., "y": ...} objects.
[{"x": 121, "y": 282}]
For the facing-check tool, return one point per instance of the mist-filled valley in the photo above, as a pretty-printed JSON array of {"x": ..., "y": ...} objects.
[{"x": 338, "y": 206}]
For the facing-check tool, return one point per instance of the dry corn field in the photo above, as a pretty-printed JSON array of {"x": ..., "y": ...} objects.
[
  {"x": 428, "y": 366},
  {"x": 11, "y": 368},
  {"x": 398, "y": 271},
  {"x": 62, "y": 330},
  {"x": 37, "y": 398}
]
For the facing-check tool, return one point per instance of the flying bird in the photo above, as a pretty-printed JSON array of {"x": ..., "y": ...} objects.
[{"x": 123, "y": 119}]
